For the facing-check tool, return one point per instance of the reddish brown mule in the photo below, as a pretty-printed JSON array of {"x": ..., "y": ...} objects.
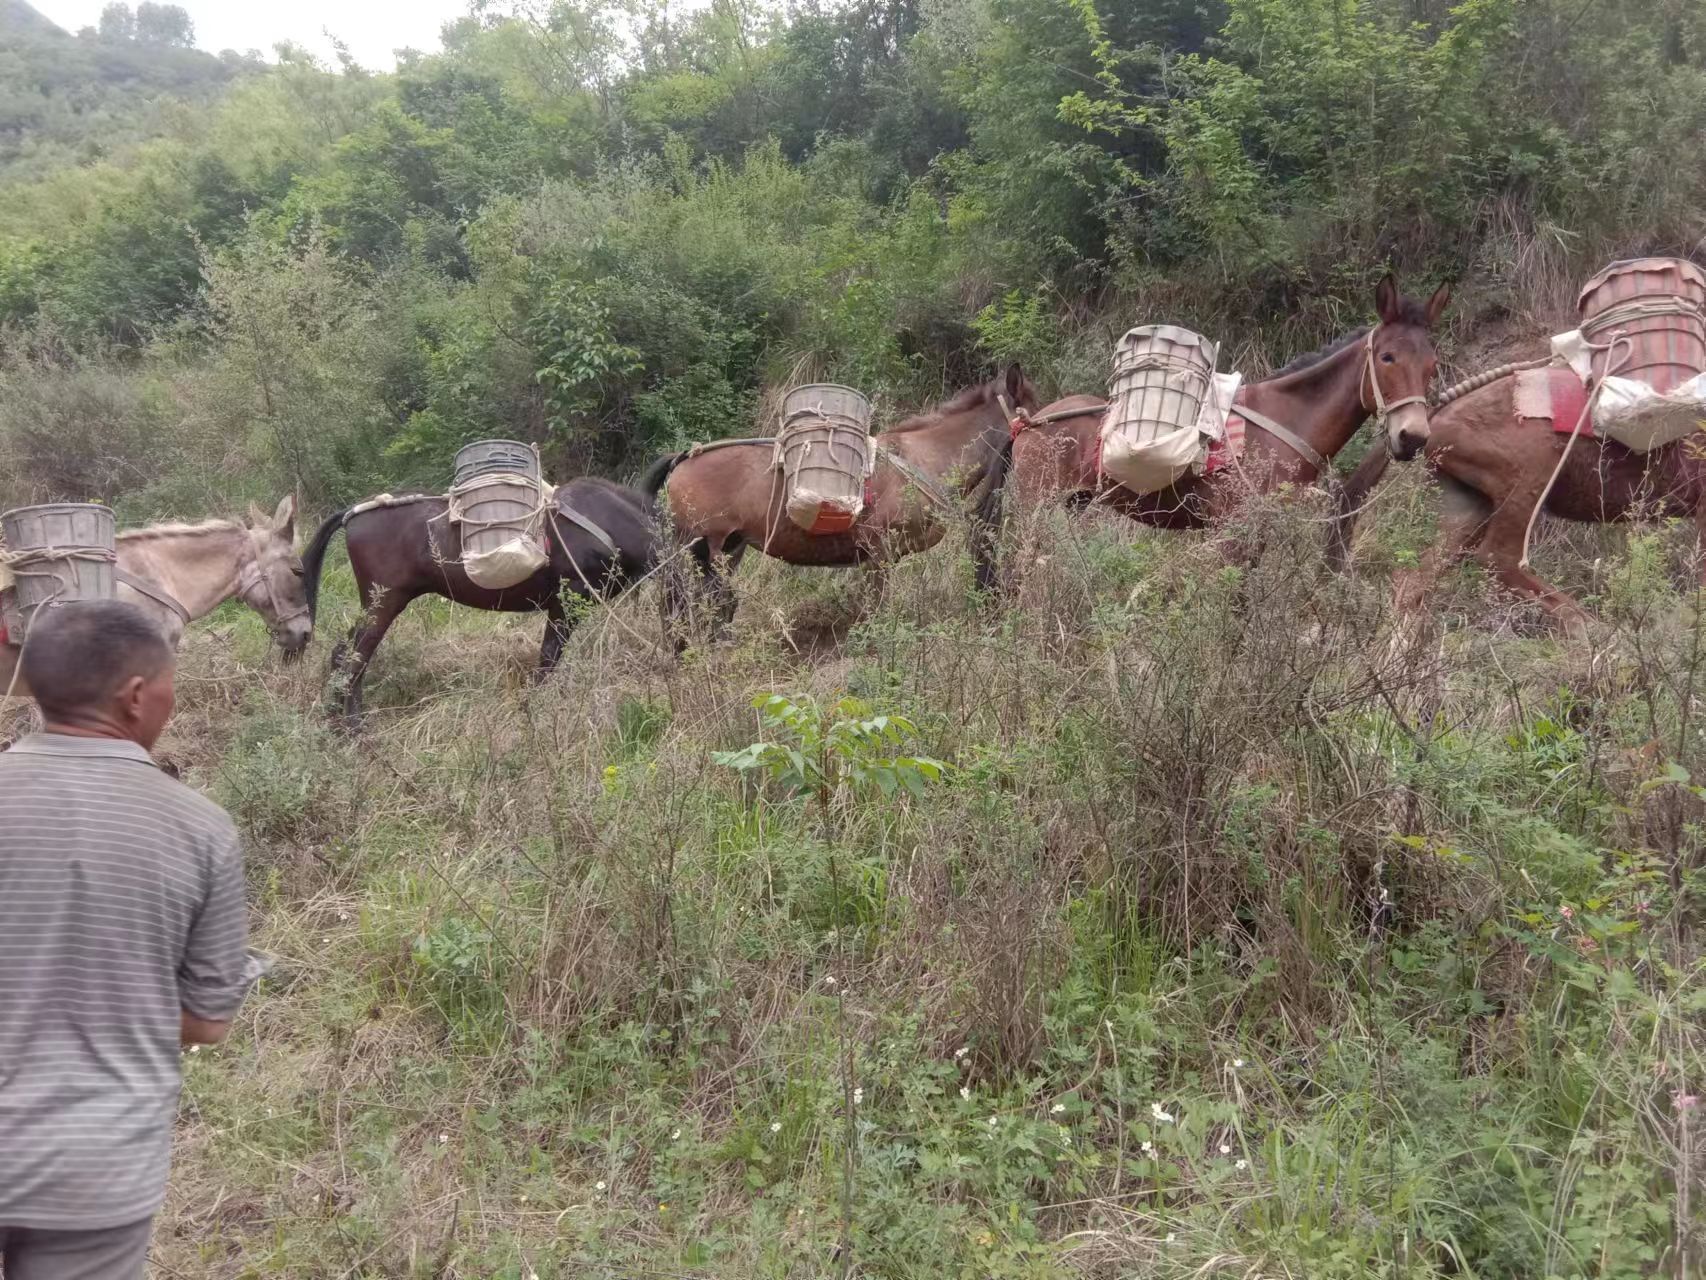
[
  {"x": 1320, "y": 398},
  {"x": 727, "y": 498},
  {"x": 1492, "y": 467}
]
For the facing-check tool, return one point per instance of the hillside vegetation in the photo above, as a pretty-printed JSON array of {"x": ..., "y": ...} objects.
[{"x": 1163, "y": 919}]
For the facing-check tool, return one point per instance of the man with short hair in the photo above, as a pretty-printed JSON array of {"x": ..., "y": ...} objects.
[{"x": 123, "y": 936}]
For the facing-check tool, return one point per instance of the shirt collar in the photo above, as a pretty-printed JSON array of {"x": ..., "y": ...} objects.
[{"x": 68, "y": 744}]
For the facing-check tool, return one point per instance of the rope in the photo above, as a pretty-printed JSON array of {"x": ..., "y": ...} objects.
[
  {"x": 30, "y": 555},
  {"x": 1644, "y": 309},
  {"x": 155, "y": 593},
  {"x": 16, "y": 563},
  {"x": 1612, "y": 364},
  {"x": 1460, "y": 389}
]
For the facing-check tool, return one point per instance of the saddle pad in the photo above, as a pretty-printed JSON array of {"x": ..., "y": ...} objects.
[
  {"x": 1228, "y": 448},
  {"x": 1551, "y": 394}
]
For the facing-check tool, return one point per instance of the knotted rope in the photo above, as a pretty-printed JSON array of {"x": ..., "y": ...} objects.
[
  {"x": 19, "y": 565},
  {"x": 1612, "y": 364}
]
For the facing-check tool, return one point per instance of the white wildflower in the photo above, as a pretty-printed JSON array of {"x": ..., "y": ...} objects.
[
  {"x": 343, "y": 916},
  {"x": 775, "y": 1126},
  {"x": 858, "y": 1095},
  {"x": 1164, "y": 1116},
  {"x": 961, "y": 1052},
  {"x": 829, "y": 981},
  {"x": 195, "y": 1048},
  {"x": 443, "y": 1138},
  {"x": 599, "y": 1185},
  {"x": 1148, "y": 1148},
  {"x": 675, "y": 1135},
  {"x": 1170, "y": 1238},
  {"x": 1057, "y": 1108},
  {"x": 1237, "y": 1064},
  {"x": 1225, "y": 1150},
  {"x": 1242, "y": 1165},
  {"x": 965, "y": 1093},
  {"x": 993, "y": 1120},
  {"x": 523, "y": 1199}
]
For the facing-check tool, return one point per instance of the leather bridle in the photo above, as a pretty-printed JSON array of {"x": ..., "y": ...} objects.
[{"x": 253, "y": 583}]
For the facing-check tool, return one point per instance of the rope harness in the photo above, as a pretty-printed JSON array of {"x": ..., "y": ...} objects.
[
  {"x": 154, "y": 592},
  {"x": 252, "y": 583}
]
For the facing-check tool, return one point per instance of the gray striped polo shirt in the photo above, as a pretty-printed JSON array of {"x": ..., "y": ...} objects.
[{"x": 121, "y": 903}]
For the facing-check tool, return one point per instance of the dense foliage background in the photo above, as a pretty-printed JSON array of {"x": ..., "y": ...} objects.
[
  {"x": 1169, "y": 920},
  {"x": 608, "y": 227}
]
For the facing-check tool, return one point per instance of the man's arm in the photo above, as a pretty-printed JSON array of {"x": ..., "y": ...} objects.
[
  {"x": 194, "y": 1030},
  {"x": 215, "y": 973}
]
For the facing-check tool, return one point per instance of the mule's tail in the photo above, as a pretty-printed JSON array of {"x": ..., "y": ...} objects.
[
  {"x": 314, "y": 558},
  {"x": 990, "y": 513},
  {"x": 657, "y": 475},
  {"x": 1352, "y": 495}
]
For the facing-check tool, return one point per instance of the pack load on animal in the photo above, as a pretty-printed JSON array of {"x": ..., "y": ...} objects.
[
  {"x": 1642, "y": 348},
  {"x": 824, "y": 452},
  {"x": 1166, "y": 406},
  {"x": 498, "y": 503},
  {"x": 51, "y": 555}
]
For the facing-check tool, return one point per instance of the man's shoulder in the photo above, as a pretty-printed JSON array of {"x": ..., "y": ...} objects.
[{"x": 144, "y": 789}]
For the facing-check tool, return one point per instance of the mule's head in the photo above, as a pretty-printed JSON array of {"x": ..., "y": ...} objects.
[
  {"x": 269, "y": 580},
  {"x": 1401, "y": 365}
]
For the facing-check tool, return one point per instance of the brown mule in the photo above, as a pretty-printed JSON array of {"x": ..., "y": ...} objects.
[
  {"x": 726, "y": 498},
  {"x": 1492, "y": 468},
  {"x": 1319, "y": 399},
  {"x": 408, "y": 549}
]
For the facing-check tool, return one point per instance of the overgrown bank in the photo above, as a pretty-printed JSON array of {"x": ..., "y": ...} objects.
[{"x": 1198, "y": 952}]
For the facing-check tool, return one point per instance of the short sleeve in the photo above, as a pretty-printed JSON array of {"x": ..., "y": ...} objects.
[{"x": 216, "y": 972}]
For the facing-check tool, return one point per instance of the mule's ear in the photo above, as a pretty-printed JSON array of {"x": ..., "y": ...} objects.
[
  {"x": 256, "y": 519},
  {"x": 284, "y": 519},
  {"x": 1386, "y": 299},
  {"x": 1015, "y": 381},
  {"x": 1437, "y": 303}
]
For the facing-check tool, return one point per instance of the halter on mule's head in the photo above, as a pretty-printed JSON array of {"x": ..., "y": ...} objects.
[
  {"x": 1399, "y": 365},
  {"x": 269, "y": 577}
]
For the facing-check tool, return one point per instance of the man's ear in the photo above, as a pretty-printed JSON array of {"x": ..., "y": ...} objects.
[{"x": 128, "y": 699}]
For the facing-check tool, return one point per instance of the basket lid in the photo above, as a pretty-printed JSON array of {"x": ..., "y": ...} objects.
[{"x": 1688, "y": 276}]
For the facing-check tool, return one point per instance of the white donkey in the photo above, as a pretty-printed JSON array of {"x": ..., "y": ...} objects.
[{"x": 181, "y": 572}]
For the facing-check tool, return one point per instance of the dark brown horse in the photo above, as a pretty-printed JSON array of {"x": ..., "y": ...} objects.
[
  {"x": 409, "y": 549},
  {"x": 728, "y": 497},
  {"x": 1320, "y": 399},
  {"x": 1493, "y": 467}
]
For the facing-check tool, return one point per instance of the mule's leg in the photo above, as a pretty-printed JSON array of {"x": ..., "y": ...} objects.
[
  {"x": 1463, "y": 516},
  {"x": 376, "y": 621},
  {"x": 722, "y": 572},
  {"x": 1501, "y": 553},
  {"x": 557, "y": 628},
  {"x": 675, "y": 600}
]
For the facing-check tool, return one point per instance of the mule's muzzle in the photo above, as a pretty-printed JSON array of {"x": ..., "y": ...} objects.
[
  {"x": 1407, "y": 431},
  {"x": 1405, "y": 445},
  {"x": 292, "y": 641}
]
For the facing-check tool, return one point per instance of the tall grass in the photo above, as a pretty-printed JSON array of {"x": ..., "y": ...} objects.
[{"x": 1206, "y": 955}]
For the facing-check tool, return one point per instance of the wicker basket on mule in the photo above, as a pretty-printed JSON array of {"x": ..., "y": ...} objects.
[
  {"x": 50, "y": 555},
  {"x": 1642, "y": 349},
  {"x": 824, "y": 453},
  {"x": 1166, "y": 406},
  {"x": 498, "y": 502}
]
